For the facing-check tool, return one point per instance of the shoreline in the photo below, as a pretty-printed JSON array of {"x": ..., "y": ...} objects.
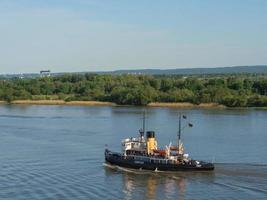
[
  {"x": 186, "y": 105},
  {"x": 182, "y": 105},
  {"x": 59, "y": 102},
  {"x": 102, "y": 103}
]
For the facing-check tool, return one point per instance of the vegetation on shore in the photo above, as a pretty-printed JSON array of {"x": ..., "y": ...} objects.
[{"x": 231, "y": 91}]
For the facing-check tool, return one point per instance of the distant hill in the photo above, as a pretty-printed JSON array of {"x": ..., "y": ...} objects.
[{"x": 258, "y": 69}]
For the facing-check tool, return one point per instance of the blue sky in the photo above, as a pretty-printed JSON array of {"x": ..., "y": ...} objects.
[{"x": 97, "y": 35}]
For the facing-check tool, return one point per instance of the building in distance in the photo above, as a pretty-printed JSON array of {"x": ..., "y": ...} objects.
[{"x": 45, "y": 73}]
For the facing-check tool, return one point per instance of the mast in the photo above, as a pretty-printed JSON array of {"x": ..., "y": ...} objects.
[
  {"x": 142, "y": 130},
  {"x": 179, "y": 132},
  {"x": 144, "y": 121}
]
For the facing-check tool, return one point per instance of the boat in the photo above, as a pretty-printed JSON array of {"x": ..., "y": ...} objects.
[{"x": 143, "y": 153}]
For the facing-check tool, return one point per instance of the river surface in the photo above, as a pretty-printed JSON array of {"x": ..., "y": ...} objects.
[{"x": 56, "y": 152}]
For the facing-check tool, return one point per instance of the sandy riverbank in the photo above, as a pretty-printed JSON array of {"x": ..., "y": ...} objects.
[
  {"x": 100, "y": 103},
  {"x": 61, "y": 102},
  {"x": 186, "y": 105}
]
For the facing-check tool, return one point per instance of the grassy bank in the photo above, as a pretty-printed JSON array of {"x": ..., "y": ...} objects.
[
  {"x": 101, "y": 103},
  {"x": 60, "y": 102},
  {"x": 181, "y": 105},
  {"x": 186, "y": 105}
]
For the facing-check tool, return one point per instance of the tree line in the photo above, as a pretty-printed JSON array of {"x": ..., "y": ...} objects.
[{"x": 232, "y": 91}]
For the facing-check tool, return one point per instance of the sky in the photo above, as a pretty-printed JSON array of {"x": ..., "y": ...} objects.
[{"x": 99, "y": 35}]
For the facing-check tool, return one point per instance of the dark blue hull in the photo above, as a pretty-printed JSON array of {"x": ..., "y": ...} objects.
[{"x": 119, "y": 160}]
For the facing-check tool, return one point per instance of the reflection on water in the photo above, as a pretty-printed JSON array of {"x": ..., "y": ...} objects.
[
  {"x": 238, "y": 181},
  {"x": 155, "y": 184}
]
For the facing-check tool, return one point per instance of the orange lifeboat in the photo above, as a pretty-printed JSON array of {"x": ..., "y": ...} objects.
[{"x": 159, "y": 152}]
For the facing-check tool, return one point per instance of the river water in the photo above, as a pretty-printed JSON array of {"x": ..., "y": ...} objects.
[{"x": 56, "y": 152}]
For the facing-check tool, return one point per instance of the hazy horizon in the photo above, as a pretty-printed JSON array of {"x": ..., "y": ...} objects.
[
  {"x": 91, "y": 35},
  {"x": 137, "y": 69}
]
